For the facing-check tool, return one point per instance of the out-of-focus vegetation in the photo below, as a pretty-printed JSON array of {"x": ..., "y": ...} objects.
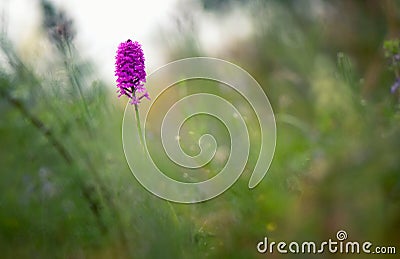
[{"x": 67, "y": 192}]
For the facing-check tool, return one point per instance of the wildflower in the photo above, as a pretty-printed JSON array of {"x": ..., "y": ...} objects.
[
  {"x": 129, "y": 69},
  {"x": 58, "y": 25},
  {"x": 396, "y": 58},
  {"x": 395, "y": 86}
]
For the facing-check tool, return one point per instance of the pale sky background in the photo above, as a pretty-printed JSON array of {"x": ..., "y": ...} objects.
[{"x": 102, "y": 25}]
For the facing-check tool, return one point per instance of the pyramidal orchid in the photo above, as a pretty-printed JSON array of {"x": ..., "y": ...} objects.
[
  {"x": 131, "y": 75},
  {"x": 130, "y": 71}
]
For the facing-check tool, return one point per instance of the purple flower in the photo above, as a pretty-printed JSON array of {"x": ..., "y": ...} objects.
[
  {"x": 395, "y": 85},
  {"x": 129, "y": 69}
]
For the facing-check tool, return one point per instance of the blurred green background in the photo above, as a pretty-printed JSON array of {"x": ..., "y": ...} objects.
[{"x": 66, "y": 190}]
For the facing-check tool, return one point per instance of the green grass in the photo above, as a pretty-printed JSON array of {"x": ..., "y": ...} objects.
[{"x": 66, "y": 190}]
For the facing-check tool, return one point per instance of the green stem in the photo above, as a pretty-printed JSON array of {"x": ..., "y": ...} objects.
[
  {"x": 75, "y": 81},
  {"x": 138, "y": 125}
]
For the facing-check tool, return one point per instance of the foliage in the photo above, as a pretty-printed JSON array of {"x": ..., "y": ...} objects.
[{"x": 67, "y": 192}]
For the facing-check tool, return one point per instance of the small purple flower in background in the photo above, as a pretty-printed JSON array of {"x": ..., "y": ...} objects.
[
  {"x": 395, "y": 86},
  {"x": 392, "y": 53},
  {"x": 129, "y": 69},
  {"x": 396, "y": 58}
]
